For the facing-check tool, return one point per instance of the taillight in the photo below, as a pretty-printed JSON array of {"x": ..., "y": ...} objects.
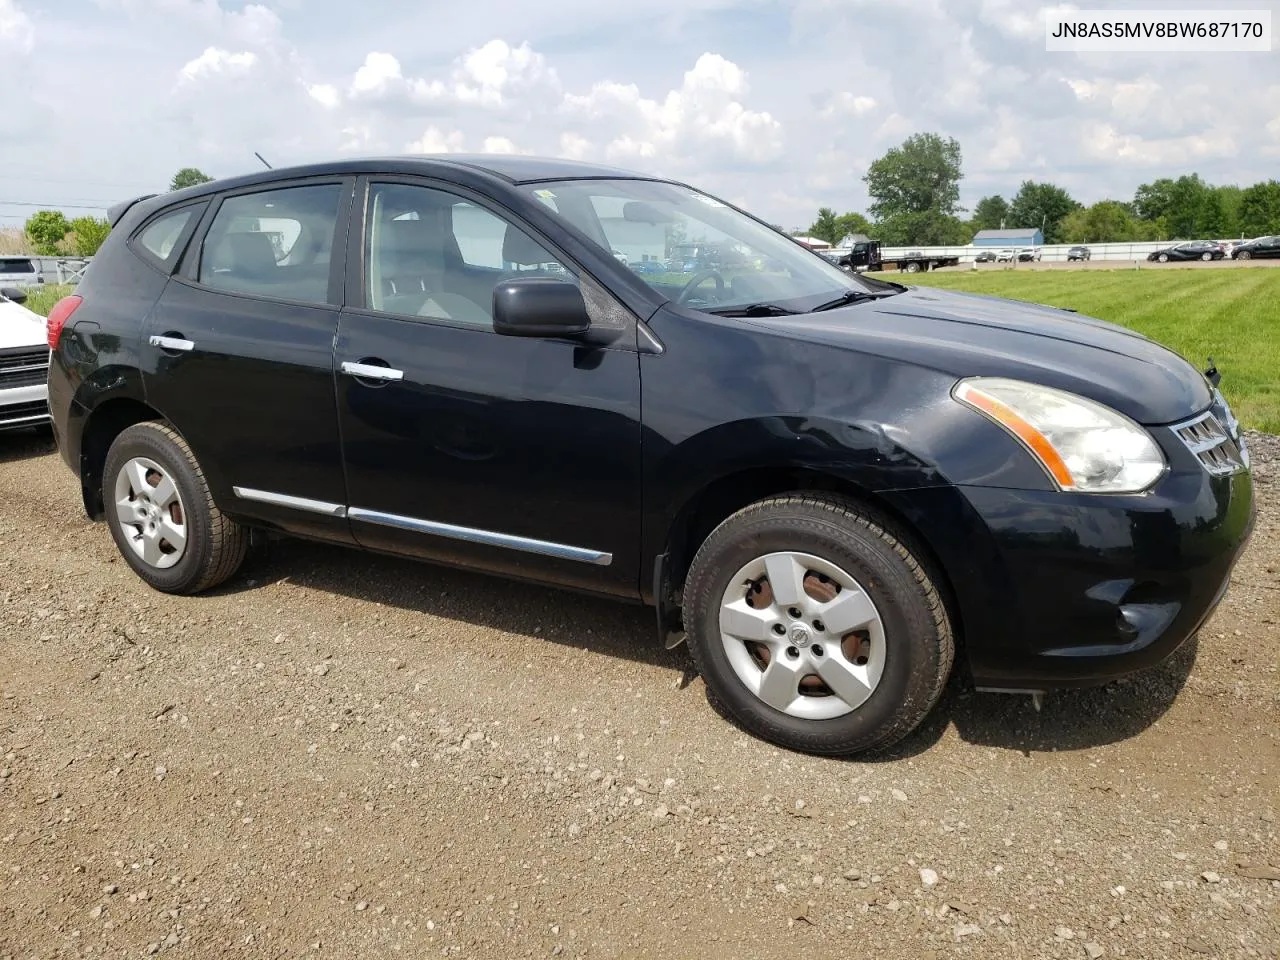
[{"x": 58, "y": 317}]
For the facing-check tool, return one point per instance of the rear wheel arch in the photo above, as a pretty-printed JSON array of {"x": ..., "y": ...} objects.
[{"x": 106, "y": 422}]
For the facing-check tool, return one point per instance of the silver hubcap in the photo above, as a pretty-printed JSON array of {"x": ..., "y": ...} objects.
[
  {"x": 802, "y": 635},
  {"x": 151, "y": 513}
]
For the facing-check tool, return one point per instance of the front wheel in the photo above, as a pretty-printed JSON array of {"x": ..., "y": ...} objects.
[
  {"x": 1163, "y": 258},
  {"x": 816, "y": 626},
  {"x": 1244, "y": 255},
  {"x": 161, "y": 514},
  {"x": 1206, "y": 256}
]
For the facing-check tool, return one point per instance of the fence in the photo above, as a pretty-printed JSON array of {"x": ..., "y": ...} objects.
[{"x": 69, "y": 270}]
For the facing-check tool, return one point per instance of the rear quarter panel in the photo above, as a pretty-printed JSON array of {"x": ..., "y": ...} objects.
[{"x": 99, "y": 355}]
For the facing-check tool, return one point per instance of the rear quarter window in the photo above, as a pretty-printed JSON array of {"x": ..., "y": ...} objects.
[
  {"x": 162, "y": 239},
  {"x": 16, "y": 265}
]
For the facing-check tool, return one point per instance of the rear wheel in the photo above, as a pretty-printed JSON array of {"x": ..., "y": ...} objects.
[
  {"x": 913, "y": 267},
  {"x": 161, "y": 514},
  {"x": 1206, "y": 256},
  {"x": 815, "y": 626}
]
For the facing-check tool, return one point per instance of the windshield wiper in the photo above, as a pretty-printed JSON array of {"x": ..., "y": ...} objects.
[
  {"x": 755, "y": 310},
  {"x": 848, "y": 297}
]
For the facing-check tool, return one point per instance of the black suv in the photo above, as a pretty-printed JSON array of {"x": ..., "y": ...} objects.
[{"x": 825, "y": 483}]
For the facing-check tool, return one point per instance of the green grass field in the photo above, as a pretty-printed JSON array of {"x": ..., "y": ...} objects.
[
  {"x": 1230, "y": 315},
  {"x": 41, "y": 299}
]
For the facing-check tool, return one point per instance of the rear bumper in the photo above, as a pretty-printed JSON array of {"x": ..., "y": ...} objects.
[
  {"x": 24, "y": 406},
  {"x": 1061, "y": 590}
]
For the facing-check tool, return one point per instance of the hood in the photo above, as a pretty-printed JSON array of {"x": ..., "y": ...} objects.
[
  {"x": 972, "y": 335},
  {"x": 19, "y": 327}
]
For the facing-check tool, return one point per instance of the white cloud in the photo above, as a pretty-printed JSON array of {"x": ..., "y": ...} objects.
[
  {"x": 704, "y": 114},
  {"x": 1104, "y": 142},
  {"x": 1017, "y": 18},
  {"x": 574, "y": 147},
  {"x": 849, "y": 104},
  {"x": 433, "y": 141},
  {"x": 378, "y": 73},
  {"x": 498, "y": 145},
  {"x": 217, "y": 61},
  {"x": 325, "y": 94},
  {"x": 16, "y": 30}
]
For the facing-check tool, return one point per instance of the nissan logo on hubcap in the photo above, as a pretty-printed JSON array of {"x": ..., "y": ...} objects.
[{"x": 799, "y": 634}]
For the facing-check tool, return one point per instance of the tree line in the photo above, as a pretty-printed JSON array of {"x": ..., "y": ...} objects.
[
  {"x": 50, "y": 233},
  {"x": 915, "y": 201}
]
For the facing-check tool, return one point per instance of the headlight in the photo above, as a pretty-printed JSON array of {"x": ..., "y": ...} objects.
[{"x": 1081, "y": 444}]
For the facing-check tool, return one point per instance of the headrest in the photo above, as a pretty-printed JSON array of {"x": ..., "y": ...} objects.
[
  {"x": 250, "y": 253},
  {"x": 519, "y": 247}
]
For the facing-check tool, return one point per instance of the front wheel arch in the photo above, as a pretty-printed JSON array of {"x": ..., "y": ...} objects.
[{"x": 728, "y": 494}]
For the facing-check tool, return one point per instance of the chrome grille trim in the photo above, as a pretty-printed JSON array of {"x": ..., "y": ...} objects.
[{"x": 1210, "y": 442}]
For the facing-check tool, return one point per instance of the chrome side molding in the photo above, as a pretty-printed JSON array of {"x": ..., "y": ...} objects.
[
  {"x": 285, "y": 500},
  {"x": 488, "y": 537},
  {"x": 562, "y": 551}
]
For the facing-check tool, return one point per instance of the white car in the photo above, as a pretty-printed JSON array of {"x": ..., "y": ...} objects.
[
  {"x": 24, "y": 364},
  {"x": 19, "y": 272}
]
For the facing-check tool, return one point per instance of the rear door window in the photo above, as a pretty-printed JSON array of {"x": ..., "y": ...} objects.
[{"x": 276, "y": 243}]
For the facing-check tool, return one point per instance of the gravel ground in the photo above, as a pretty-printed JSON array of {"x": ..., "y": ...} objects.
[{"x": 349, "y": 756}]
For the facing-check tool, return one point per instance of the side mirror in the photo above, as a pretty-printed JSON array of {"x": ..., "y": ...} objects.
[
  {"x": 539, "y": 307},
  {"x": 14, "y": 294}
]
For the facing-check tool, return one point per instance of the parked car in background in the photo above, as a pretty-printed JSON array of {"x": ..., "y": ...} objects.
[
  {"x": 644, "y": 267},
  {"x": 1190, "y": 250},
  {"x": 820, "y": 479},
  {"x": 1256, "y": 249},
  {"x": 18, "y": 273},
  {"x": 986, "y": 256},
  {"x": 1028, "y": 254},
  {"x": 1079, "y": 253},
  {"x": 1006, "y": 255},
  {"x": 24, "y": 363}
]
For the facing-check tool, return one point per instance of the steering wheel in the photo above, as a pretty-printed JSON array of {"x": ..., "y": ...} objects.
[{"x": 697, "y": 280}]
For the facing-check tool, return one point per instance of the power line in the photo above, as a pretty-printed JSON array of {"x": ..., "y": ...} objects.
[
  {"x": 96, "y": 183},
  {"x": 56, "y": 204}
]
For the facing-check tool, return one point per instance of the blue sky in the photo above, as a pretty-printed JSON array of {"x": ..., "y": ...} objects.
[{"x": 779, "y": 106}]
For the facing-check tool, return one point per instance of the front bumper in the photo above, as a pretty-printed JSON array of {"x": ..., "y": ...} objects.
[
  {"x": 1058, "y": 589},
  {"x": 24, "y": 406}
]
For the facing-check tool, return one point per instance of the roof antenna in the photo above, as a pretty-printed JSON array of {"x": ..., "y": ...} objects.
[{"x": 259, "y": 156}]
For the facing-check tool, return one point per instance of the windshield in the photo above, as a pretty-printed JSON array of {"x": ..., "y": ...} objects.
[{"x": 695, "y": 249}]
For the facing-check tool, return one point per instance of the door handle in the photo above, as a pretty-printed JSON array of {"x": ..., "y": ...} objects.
[
  {"x": 369, "y": 371},
  {"x": 172, "y": 343}
]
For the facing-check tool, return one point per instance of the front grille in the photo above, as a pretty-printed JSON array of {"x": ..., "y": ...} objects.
[
  {"x": 20, "y": 414},
  {"x": 1214, "y": 438},
  {"x": 23, "y": 366}
]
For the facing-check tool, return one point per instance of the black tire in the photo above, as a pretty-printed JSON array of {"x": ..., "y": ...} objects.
[
  {"x": 216, "y": 546},
  {"x": 1244, "y": 255},
  {"x": 913, "y": 267},
  {"x": 1163, "y": 258},
  {"x": 920, "y": 648}
]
